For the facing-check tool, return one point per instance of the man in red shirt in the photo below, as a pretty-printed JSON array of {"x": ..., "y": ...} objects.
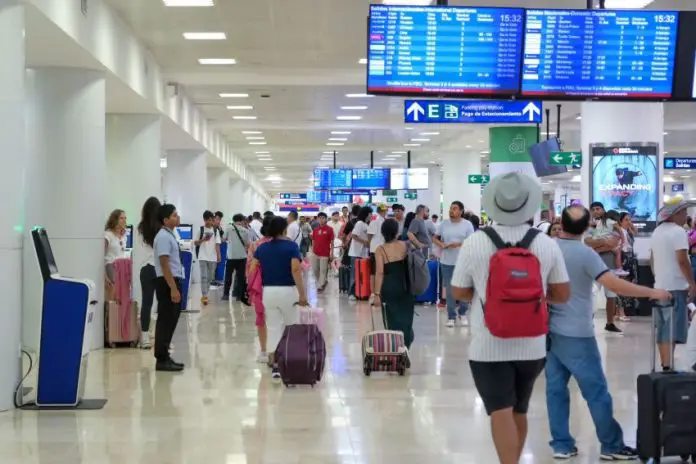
[{"x": 322, "y": 242}]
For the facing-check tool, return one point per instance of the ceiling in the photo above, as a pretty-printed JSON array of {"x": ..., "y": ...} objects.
[{"x": 297, "y": 60}]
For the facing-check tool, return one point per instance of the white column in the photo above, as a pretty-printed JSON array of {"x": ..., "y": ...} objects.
[
  {"x": 237, "y": 197},
  {"x": 247, "y": 199},
  {"x": 133, "y": 150},
  {"x": 219, "y": 191},
  {"x": 68, "y": 183},
  {"x": 186, "y": 184},
  {"x": 609, "y": 123},
  {"x": 12, "y": 191},
  {"x": 431, "y": 196},
  {"x": 456, "y": 168}
]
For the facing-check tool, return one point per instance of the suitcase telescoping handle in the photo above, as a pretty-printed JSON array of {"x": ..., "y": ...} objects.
[{"x": 660, "y": 308}]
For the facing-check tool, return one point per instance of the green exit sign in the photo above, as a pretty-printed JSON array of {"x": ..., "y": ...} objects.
[
  {"x": 389, "y": 193},
  {"x": 411, "y": 195},
  {"x": 391, "y": 200},
  {"x": 479, "y": 179},
  {"x": 565, "y": 158}
]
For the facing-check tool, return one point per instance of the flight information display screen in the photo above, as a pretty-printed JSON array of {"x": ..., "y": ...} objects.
[
  {"x": 444, "y": 50},
  {"x": 599, "y": 53},
  {"x": 326, "y": 179},
  {"x": 371, "y": 179}
]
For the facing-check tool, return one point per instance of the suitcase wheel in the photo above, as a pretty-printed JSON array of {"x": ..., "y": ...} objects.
[
  {"x": 367, "y": 371},
  {"x": 401, "y": 371}
]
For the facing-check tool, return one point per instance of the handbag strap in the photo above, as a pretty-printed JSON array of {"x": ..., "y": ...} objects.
[{"x": 238, "y": 234}]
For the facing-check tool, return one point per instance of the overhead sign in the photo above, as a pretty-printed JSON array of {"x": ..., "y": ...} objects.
[
  {"x": 472, "y": 111},
  {"x": 677, "y": 188},
  {"x": 566, "y": 158},
  {"x": 479, "y": 179},
  {"x": 292, "y": 196},
  {"x": 391, "y": 199},
  {"x": 411, "y": 195},
  {"x": 296, "y": 202},
  {"x": 680, "y": 163}
]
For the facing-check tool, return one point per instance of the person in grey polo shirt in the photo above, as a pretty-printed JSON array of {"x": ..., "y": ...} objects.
[
  {"x": 572, "y": 346},
  {"x": 170, "y": 274},
  {"x": 418, "y": 232},
  {"x": 237, "y": 244}
]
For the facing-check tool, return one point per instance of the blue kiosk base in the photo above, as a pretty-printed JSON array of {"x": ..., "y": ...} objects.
[{"x": 83, "y": 405}]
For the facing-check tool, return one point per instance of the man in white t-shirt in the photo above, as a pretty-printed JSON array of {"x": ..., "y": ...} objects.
[
  {"x": 505, "y": 369},
  {"x": 375, "y": 237},
  {"x": 359, "y": 243},
  {"x": 545, "y": 221},
  {"x": 669, "y": 259},
  {"x": 294, "y": 231},
  {"x": 255, "y": 226},
  {"x": 207, "y": 243}
]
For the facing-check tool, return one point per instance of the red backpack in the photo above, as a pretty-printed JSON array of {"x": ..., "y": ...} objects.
[{"x": 515, "y": 299}]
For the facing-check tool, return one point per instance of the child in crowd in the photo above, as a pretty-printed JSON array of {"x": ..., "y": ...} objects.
[{"x": 609, "y": 227}]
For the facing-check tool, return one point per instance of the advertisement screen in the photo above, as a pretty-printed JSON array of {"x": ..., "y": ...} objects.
[
  {"x": 409, "y": 179},
  {"x": 625, "y": 178}
]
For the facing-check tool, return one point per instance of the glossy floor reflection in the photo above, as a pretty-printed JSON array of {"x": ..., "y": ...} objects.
[{"x": 224, "y": 410}]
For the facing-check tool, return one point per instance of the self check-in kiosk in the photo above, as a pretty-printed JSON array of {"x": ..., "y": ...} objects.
[
  {"x": 67, "y": 312},
  {"x": 185, "y": 235}
]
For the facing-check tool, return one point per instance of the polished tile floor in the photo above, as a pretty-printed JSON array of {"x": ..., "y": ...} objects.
[{"x": 224, "y": 409}]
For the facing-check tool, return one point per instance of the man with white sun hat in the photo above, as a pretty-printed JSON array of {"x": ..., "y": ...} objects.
[{"x": 669, "y": 260}]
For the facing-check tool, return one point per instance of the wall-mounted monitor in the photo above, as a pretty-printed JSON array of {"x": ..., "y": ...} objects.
[
  {"x": 409, "y": 179},
  {"x": 604, "y": 54},
  {"x": 327, "y": 179},
  {"x": 370, "y": 179},
  {"x": 415, "y": 50},
  {"x": 185, "y": 231}
]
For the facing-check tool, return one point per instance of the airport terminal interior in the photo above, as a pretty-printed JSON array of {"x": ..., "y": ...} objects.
[{"x": 298, "y": 107}]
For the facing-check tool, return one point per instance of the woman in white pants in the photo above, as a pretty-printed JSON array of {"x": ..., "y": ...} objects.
[{"x": 283, "y": 288}]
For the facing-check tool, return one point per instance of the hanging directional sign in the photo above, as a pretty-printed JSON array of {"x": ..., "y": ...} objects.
[
  {"x": 391, "y": 200},
  {"x": 566, "y": 158},
  {"x": 472, "y": 111},
  {"x": 292, "y": 196},
  {"x": 479, "y": 179},
  {"x": 411, "y": 195}
]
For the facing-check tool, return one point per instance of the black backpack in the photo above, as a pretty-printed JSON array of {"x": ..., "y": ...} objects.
[{"x": 216, "y": 231}]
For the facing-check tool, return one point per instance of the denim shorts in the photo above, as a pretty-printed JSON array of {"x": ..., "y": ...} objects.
[{"x": 677, "y": 316}]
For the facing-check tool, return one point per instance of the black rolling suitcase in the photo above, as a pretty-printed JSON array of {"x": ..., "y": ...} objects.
[{"x": 666, "y": 411}]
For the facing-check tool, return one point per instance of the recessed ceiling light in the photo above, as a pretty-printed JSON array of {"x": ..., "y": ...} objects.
[
  {"x": 468, "y": 146},
  {"x": 578, "y": 117},
  {"x": 409, "y": 2},
  {"x": 393, "y": 156},
  {"x": 163, "y": 163},
  {"x": 244, "y": 117},
  {"x": 328, "y": 152},
  {"x": 354, "y": 108},
  {"x": 258, "y": 143},
  {"x": 399, "y": 153},
  {"x": 335, "y": 144},
  {"x": 217, "y": 61},
  {"x": 269, "y": 168},
  {"x": 420, "y": 140},
  {"x": 665, "y": 133},
  {"x": 240, "y": 107},
  {"x": 234, "y": 95},
  {"x": 188, "y": 3},
  {"x": 408, "y": 128},
  {"x": 412, "y": 144},
  {"x": 349, "y": 118},
  {"x": 362, "y": 61},
  {"x": 262, "y": 152},
  {"x": 485, "y": 152},
  {"x": 627, "y": 4},
  {"x": 340, "y": 132},
  {"x": 252, "y": 132},
  {"x": 205, "y": 36},
  {"x": 430, "y": 133},
  {"x": 338, "y": 139},
  {"x": 481, "y": 141},
  {"x": 483, "y": 156},
  {"x": 358, "y": 95},
  {"x": 666, "y": 153},
  {"x": 255, "y": 137}
]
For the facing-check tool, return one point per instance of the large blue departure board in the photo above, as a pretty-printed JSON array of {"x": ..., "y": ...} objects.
[
  {"x": 599, "y": 53},
  {"x": 327, "y": 179},
  {"x": 444, "y": 50},
  {"x": 370, "y": 179}
]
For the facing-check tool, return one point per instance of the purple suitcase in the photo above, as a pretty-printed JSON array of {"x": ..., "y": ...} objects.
[{"x": 301, "y": 354}]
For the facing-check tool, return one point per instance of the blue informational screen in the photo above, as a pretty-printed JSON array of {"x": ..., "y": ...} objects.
[
  {"x": 599, "y": 53},
  {"x": 370, "y": 179},
  {"x": 327, "y": 179},
  {"x": 680, "y": 163},
  {"x": 625, "y": 178},
  {"x": 340, "y": 198},
  {"x": 444, "y": 50},
  {"x": 677, "y": 188},
  {"x": 292, "y": 196},
  {"x": 317, "y": 196},
  {"x": 185, "y": 231}
]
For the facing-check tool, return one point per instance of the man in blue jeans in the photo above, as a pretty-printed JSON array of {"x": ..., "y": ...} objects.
[{"x": 572, "y": 347}]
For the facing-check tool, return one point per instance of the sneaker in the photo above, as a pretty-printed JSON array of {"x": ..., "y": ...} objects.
[
  {"x": 463, "y": 321},
  {"x": 625, "y": 454},
  {"x": 275, "y": 375},
  {"x": 145, "y": 341},
  {"x": 624, "y": 319},
  {"x": 204, "y": 301},
  {"x": 352, "y": 298},
  {"x": 620, "y": 273},
  {"x": 565, "y": 454},
  {"x": 612, "y": 328},
  {"x": 450, "y": 323},
  {"x": 262, "y": 358},
  {"x": 371, "y": 299}
]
